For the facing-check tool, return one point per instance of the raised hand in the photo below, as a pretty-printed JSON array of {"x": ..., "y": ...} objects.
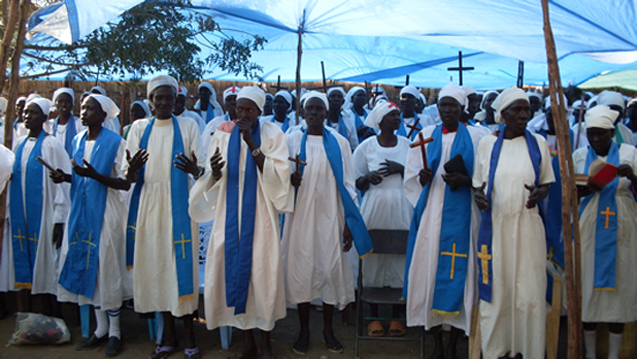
[
  {"x": 58, "y": 176},
  {"x": 85, "y": 171},
  {"x": 185, "y": 164},
  {"x": 136, "y": 162},
  {"x": 216, "y": 164}
]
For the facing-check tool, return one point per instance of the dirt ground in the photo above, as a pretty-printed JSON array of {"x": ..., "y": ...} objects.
[{"x": 136, "y": 342}]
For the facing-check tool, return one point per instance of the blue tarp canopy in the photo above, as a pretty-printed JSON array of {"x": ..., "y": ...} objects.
[{"x": 383, "y": 41}]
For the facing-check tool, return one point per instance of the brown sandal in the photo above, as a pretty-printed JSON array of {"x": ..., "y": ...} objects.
[
  {"x": 375, "y": 329},
  {"x": 397, "y": 329}
]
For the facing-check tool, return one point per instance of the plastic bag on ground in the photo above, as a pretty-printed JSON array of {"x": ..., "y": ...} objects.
[{"x": 31, "y": 328}]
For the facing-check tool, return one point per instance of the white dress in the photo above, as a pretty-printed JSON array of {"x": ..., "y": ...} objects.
[
  {"x": 55, "y": 208},
  {"x": 155, "y": 271},
  {"x": 424, "y": 264},
  {"x": 6, "y": 165},
  {"x": 114, "y": 281},
  {"x": 514, "y": 321},
  {"x": 266, "y": 301},
  {"x": 314, "y": 264},
  {"x": 60, "y": 133},
  {"x": 384, "y": 207},
  {"x": 618, "y": 306}
]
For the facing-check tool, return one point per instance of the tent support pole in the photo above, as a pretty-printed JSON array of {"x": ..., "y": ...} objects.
[
  {"x": 572, "y": 255},
  {"x": 299, "y": 54}
]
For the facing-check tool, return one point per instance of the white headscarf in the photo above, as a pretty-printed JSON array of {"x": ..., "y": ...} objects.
[
  {"x": 144, "y": 107},
  {"x": 319, "y": 95},
  {"x": 534, "y": 94},
  {"x": 65, "y": 90},
  {"x": 469, "y": 90},
  {"x": 600, "y": 116},
  {"x": 286, "y": 95},
  {"x": 378, "y": 113},
  {"x": 99, "y": 89},
  {"x": 107, "y": 105},
  {"x": 348, "y": 99},
  {"x": 213, "y": 96},
  {"x": 339, "y": 89},
  {"x": 161, "y": 80},
  {"x": 505, "y": 99},
  {"x": 21, "y": 98},
  {"x": 456, "y": 92},
  {"x": 410, "y": 90},
  {"x": 231, "y": 91},
  {"x": 484, "y": 98},
  {"x": 547, "y": 101},
  {"x": 183, "y": 91},
  {"x": 43, "y": 103},
  {"x": 610, "y": 98},
  {"x": 254, "y": 94}
]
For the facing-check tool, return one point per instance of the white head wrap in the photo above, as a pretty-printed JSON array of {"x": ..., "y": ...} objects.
[
  {"x": 339, "y": 89},
  {"x": 483, "y": 103},
  {"x": 65, "y": 90},
  {"x": 254, "y": 94},
  {"x": 505, "y": 99},
  {"x": 348, "y": 99},
  {"x": 144, "y": 107},
  {"x": 231, "y": 91},
  {"x": 423, "y": 98},
  {"x": 380, "y": 98},
  {"x": 107, "y": 105},
  {"x": 469, "y": 90},
  {"x": 410, "y": 90},
  {"x": 32, "y": 96},
  {"x": 100, "y": 90},
  {"x": 161, "y": 80},
  {"x": 547, "y": 101},
  {"x": 183, "y": 91},
  {"x": 600, "y": 116},
  {"x": 21, "y": 98},
  {"x": 456, "y": 92},
  {"x": 286, "y": 95},
  {"x": 207, "y": 85},
  {"x": 577, "y": 104},
  {"x": 319, "y": 95},
  {"x": 43, "y": 103},
  {"x": 534, "y": 94},
  {"x": 632, "y": 102},
  {"x": 378, "y": 113},
  {"x": 269, "y": 95},
  {"x": 3, "y": 105},
  {"x": 610, "y": 98}
]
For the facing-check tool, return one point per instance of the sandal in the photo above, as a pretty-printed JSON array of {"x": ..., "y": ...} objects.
[
  {"x": 163, "y": 352},
  {"x": 192, "y": 353},
  {"x": 299, "y": 347},
  {"x": 336, "y": 347},
  {"x": 397, "y": 328},
  {"x": 375, "y": 329}
]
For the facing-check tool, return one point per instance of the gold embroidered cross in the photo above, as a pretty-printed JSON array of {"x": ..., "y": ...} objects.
[
  {"x": 453, "y": 255},
  {"x": 183, "y": 245},
  {"x": 607, "y": 213},
  {"x": 20, "y": 237},
  {"x": 88, "y": 256},
  {"x": 485, "y": 257}
]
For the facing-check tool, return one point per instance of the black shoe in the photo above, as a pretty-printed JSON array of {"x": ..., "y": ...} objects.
[
  {"x": 114, "y": 346},
  {"x": 89, "y": 343}
]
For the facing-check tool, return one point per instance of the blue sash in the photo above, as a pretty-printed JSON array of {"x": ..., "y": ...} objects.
[
  {"x": 402, "y": 130},
  {"x": 210, "y": 112},
  {"x": 353, "y": 217},
  {"x": 286, "y": 123},
  {"x": 238, "y": 244},
  {"x": 454, "y": 240},
  {"x": 358, "y": 123},
  {"x": 69, "y": 136},
  {"x": 606, "y": 225},
  {"x": 25, "y": 232},
  {"x": 340, "y": 127},
  {"x": 485, "y": 237},
  {"x": 179, "y": 205},
  {"x": 88, "y": 204}
]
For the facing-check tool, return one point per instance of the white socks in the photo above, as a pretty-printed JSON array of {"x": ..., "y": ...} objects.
[
  {"x": 113, "y": 318},
  {"x": 614, "y": 343},
  {"x": 102, "y": 323},
  {"x": 107, "y": 324},
  {"x": 590, "y": 341}
]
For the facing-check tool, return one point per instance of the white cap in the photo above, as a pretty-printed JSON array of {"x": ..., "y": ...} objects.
[
  {"x": 505, "y": 99},
  {"x": 600, "y": 116},
  {"x": 107, "y": 105},
  {"x": 159, "y": 81},
  {"x": 254, "y": 94}
]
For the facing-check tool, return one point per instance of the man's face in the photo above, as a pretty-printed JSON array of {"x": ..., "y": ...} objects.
[
  {"x": 280, "y": 105},
  {"x": 163, "y": 100},
  {"x": 230, "y": 104},
  {"x": 248, "y": 110},
  {"x": 408, "y": 103},
  {"x": 64, "y": 104},
  {"x": 449, "y": 109},
  {"x": 600, "y": 138}
]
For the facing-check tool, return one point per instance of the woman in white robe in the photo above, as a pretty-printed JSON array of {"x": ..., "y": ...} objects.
[
  {"x": 514, "y": 320},
  {"x": 617, "y": 306}
]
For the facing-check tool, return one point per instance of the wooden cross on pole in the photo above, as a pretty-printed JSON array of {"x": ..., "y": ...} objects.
[
  {"x": 325, "y": 86},
  {"x": 406, "y": 83},
  {"x": 422, "y": 142},
  {"x": 414, "y": 127},
  {"x": 460, "y": 68},
  {"x": 520, "y": 82},
  {"x": 278, "y": 86},
  {"x": 298, "y": 163}
]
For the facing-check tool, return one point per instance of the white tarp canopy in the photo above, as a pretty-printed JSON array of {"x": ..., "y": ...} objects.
[{"x": 383, "y": 41}]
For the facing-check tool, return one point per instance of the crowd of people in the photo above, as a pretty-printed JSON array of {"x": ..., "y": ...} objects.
[{"x": 99, "y": 213}]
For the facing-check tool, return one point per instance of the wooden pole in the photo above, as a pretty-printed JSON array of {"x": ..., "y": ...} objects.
[
  {"x": 569, "y": 195},
  {"x": 14, "y": 83},
  {"x": 7, "y": 38},
  {"x": 299, "y": 55}
]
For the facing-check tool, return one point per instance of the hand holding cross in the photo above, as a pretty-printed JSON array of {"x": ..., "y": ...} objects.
[{"x": 422, "y": 142}]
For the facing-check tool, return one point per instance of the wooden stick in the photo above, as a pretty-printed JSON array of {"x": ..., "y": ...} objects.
[
  {"x": 422, "y": 142},
  {"x": 298, "y": 163},
  {"x": 414, "y": 127},
  {"x": 569, "y": 195}
]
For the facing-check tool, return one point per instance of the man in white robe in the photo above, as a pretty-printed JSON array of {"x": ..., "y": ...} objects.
[
  {"x": 228, "y": 302},
  {"x": 55, "y": 206},
  {"x": 161, "y": 261},
  {"x": 608, "y": 295},
  {"x": 512, "y": 274},
  {"x": 428, "y": 251}
]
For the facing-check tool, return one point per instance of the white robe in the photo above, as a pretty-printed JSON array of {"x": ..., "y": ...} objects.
[
  {"x": 266, "y": 301},
  {"x": 384, "y": 207},
  {"x": 208, "y": 131},
  {"x": 155, "y": 271},
  {"x": 619, "y": 306},
  {"x": 424, "y": 264},
  {"x": 114, "y": 282},
  {"x": 55, "y": 208},
  {"x": 314, "y": 264},
  {"x": 60, "y": 133},
  {"x": 6, "y": 166},
  {"x": 112, "y": 124},
  {"x": 349, "y": 121},
  {"x": 514, "y": 321}
]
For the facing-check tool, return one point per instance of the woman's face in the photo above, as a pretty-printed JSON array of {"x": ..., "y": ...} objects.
[{"x": 516, "y": 116}]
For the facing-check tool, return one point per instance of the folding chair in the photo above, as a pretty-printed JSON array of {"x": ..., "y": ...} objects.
[{"x": 384, "y": 242}]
